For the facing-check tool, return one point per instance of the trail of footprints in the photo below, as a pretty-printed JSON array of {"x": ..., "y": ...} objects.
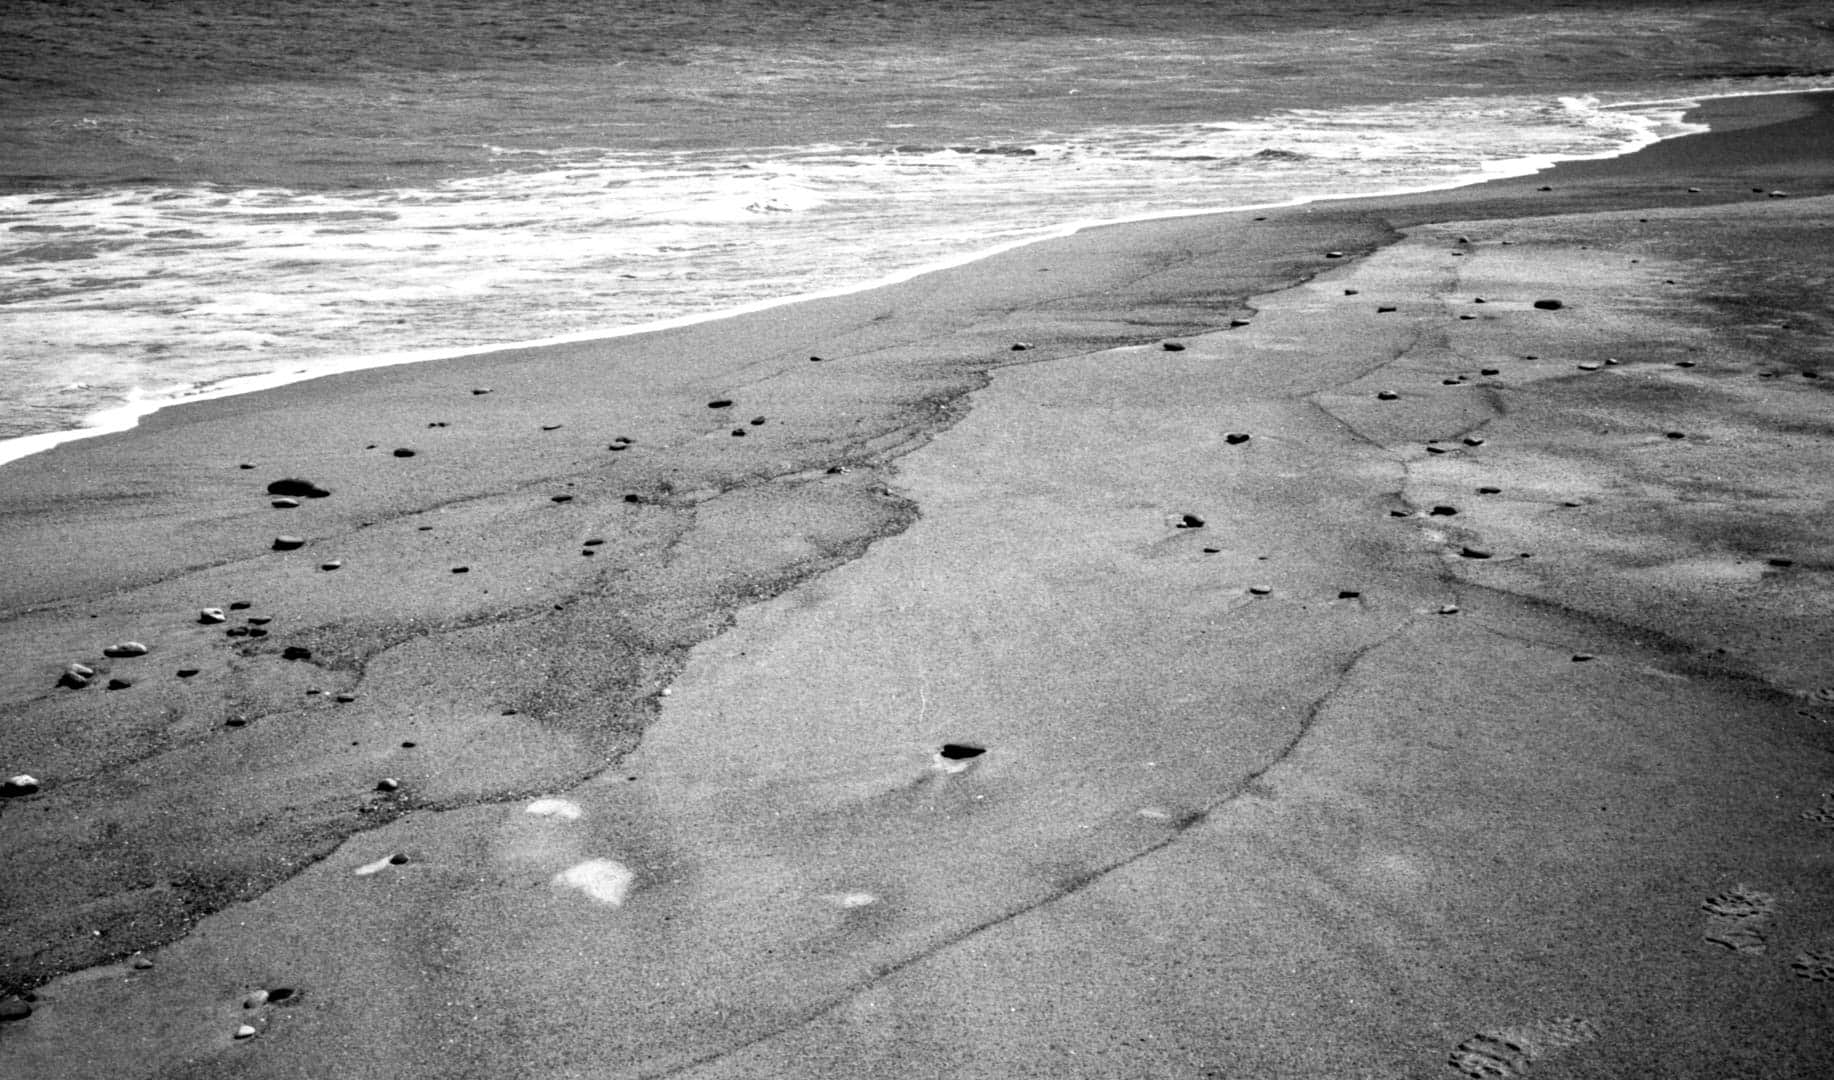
[{"x": 1510, "y": 1051}]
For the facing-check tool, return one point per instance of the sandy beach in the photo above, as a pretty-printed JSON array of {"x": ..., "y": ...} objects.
[{"x": 1381, "y": 638}]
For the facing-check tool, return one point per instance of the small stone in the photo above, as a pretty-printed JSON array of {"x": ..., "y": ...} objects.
[
  {"x": 119, "y": 683},
  {"x": 1779, "y": 195},
  {"x": 1590, "y": 365},
  {"x": 1435, "y": 449},
  {"x": 296, "y": 652},
  {"x": 186, "y": 672},
  {"x": 125, "y": 649},
  {"x": 720, "y": 403},
  {"x": 1190, "y": 521},
  {"x": 1235, "y": 438},
  {"x": 241, "y": 605},
  {"x": 479, "y": 391},
  {"x": 594, "y": 542},
  {"x": 1443, "y": 511},
  {"x": 1780, "y": 563},
  {"x": 398, "y": 859},
  {"x": 16, "y": 787},
  {"x": 1172, "y": 346},
  {"x": 293, "y": 485},
  {"x": 13, "y": 1009},
  {"x": 1474, "y": 440},
  {"x": 1490, "y": 491},
  {"x": 1021, "y": 346},
  {"x": 560, "y": 498},
  {"x": 738, "y": 433},
  {"x": 461, "y": 569},
  {"x": 1237, "y": 324},
  {"x": 245, "y": 1032},
  {"x": 140, "y": 963},
  {"x": 1351, "y": 292},
  {"x": 961, "y": 751},
  {"x": 1550, "y": 305},
  {"x": 255, "y": 1000},
  {"x": 757, "y": 421},
  {"x": 1675, "y": 434},
  {"x": 1693, "y": 191},
  {"x": 211, "y": 615},
  {"x": 1260, "y": 590},
  {"x": 1334, "y": 254},
  {"x": 1544, "y": 187},
  {"x": 260, "y": 620},
  {"x": 1387, "y": 395},
  {"x": 333, "y": 564},
  {"x": 1448, "y": 609},
  {"x": 288, "y": 543},
  {"x": 344, "y": 699},
  {"x": 403, "y": 452},
  {"x": 1491, "y": 371},
  {"x": 815, "y": 360},
  {"x": 1349, "y": 594},
  {"x": 1583, "y": 657},
  {"x": 550, "y": 427},
  {"x": 285, "y": 504},
  {"x": 1383, "y": 309},
  {"x": 388, "y": 783},
  {"x": 1474, "y": 553}
]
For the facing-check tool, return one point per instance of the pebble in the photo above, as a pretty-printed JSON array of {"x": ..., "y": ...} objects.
[
  {"x": 1260, "y": 590},
  {"x": 212, "y": 615},
  {"x": 1387, "y": 395},
  {"x": 1235, "y": 438},
  {"x": 1491, "y": 371},
  {"x": 1334, "y": 254},
  {"x": 285, "y": 504},
  {"x": 402, "y": 451},
  {"x": 14, "y": 787},
  {"x": 76, "y": 676},
  {"x": 1474, "y": 553},
  {"x": 1490, "y": 491},
  {"x": 1351, "y": 292},
  {"x": 1474, "y": 440},
  {"x": 344, "y": 699},
  {"x": 1021, "y": 346},
  {"x": 1590, "y": 365},
  {"x": 255, "y": 1000},
  {"x": 550, "y": 427},
  {"x": 1383, "y": 309},
  {"x": 333, "y": 564},
  {"x": 296, "y": 652},
  {"x": 119, "y": 683},
  {"x": 14, "y": 1009},
  {"x": 126, "y": 648},
  {"x": 1443, "y": 511},
  {"x": 288, "y": 543},
  {"x": 245, "y": 1032},
  {"x": 388, "y": 783},
  {"x": 1236, "y": 324},
  {"x": 293, "y": 485},
  {"x": 720, "y": 403},
  {"x": 1190, "y": 521},
  {"x": 140, "y": 963},
  {"x": 480, "y": 391},
  {"x": 1448, "y": 609},
  {"x": 1582, "y": 657},
  {"x": 961, "y": 751},
  {"x": 560, "y": 498},
  {"x": 1550, "y": 305},
  {"x": 1172, "y": 346},
  {"x": 1780, "y": 563}
]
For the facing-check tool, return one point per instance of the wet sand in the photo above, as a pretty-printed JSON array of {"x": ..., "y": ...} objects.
[{"x": 934, "y": 682}]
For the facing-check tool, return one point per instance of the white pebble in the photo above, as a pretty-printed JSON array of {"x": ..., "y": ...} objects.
[
  {"x": 246, "y": 1031},
  {"x": 603, "y": 880},
  {"x": 556, "y": 808},
  {"x": 373, "y": 868},
  {"x": 212, "y": 615}
]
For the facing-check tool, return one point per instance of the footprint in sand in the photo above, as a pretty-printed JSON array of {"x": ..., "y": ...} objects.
[
  {"x": 1814, "y": 965},
  {"x": 1739, "y": 919},
  {"x": 1510, "y": 1051}
]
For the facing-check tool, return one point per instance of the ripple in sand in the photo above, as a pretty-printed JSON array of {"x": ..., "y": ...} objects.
[
  {"x": 1814, "y": 966},
  {"x": 603, "y": 880},
  {"x": 563, "y": 809},
  {"x": 1739, "y": 919}
]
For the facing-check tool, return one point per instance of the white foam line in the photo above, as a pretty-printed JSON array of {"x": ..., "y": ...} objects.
[{"x": 125, "y": 417}]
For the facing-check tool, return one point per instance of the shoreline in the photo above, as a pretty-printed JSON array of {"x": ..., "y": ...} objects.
[
  {"x": 611, "y": 729},
  {"x": 125, "y": 417}
]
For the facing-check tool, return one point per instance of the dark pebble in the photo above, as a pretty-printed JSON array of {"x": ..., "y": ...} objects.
[
  {"x": 1474, "y": 553},
  {"x": 241, "y": 605},
  {"x": 814, "y": 359},
  {"x": 461, "y": 569},
  {"x": 560, "y": 498},
  {"x": 1780, "y": 563},
  {"x": 187, "y": 672},
  {"x": 1190, "y": 521},
  {"x": 1550, "y": 305},
  {"x": 1021, "y": 346},
  {"x": 398, "y": 860},
  {"x": 256, "y": 631},
  {"x": 1580, "y": 658},
  {"x": 1235, "y": 438},
  {"x": 1383, "y": 309},
  {"x": 961, "y": 751},
  {"x": 293, "y": 485},
  {"x": 1443, "y": 511},
  {"x": 738, "y": 433},
  {"x": 118, "y": 683},
  {"x": 288, "y": 543},
  {"x": 1238, "y": 323},
  {"x": 1491, "y": 371},
  {"x": 296, "y": 652},
  {"x": 402, "y": 451},
  {"x": 550, "y": 427},
  {"x": 1387, "y": 395},
  {"x": 1349, "y": 594},
  {"x": 1490, "y": 491},
  {"x": 1172, "y": 346},
  {"x": 1676, "y": 434},
  {"x": 1351, "y": 292},
  {"x": 719, "y": 403},
  {"x": 480, "y": 390},
  {"x": 757, "y": 421},
  {"x": 285, "y": 504}
]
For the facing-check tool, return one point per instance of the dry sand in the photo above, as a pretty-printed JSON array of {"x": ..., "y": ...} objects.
[{"x": 1471, "y": 715}]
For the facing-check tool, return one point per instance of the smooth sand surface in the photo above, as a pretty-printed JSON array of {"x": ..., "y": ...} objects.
[{"x": 984, "y": 711}]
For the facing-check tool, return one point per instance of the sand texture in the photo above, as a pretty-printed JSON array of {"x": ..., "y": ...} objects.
[{"x": 1376, "y": 639}]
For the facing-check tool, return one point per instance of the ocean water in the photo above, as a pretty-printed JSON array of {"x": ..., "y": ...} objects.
[{"x": 203, "y": 196}]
